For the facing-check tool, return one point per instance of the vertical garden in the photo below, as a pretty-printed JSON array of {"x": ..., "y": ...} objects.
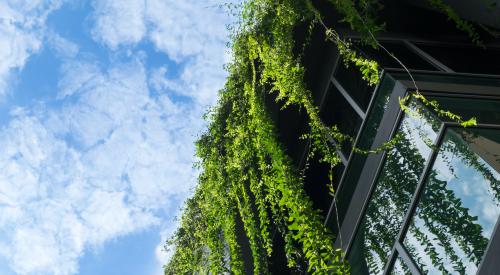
[{"x": 248, "y": 185}]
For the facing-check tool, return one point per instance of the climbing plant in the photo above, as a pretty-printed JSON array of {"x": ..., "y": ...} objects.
[
  {"x": 247, "y": 181},
  {"x": 461, "y": 23}
]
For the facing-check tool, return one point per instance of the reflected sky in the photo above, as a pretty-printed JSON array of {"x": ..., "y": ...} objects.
[
  {"x": 400, "y": 268},
  {"x": 459, "y": 207},
  {"x": 392, "y": 196}
]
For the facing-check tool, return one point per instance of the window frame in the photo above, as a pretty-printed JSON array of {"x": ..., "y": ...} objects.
[{"x": 431, "y": 84}]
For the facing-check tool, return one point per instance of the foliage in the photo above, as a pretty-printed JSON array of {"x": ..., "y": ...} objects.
[
  {"x": 434, "y": 105},
  {"x": 443, "y": 225},
  {"x": 461, "y": 23},
  {"x": 247, "y": 181},
  {"x": 245, "y": 170}
]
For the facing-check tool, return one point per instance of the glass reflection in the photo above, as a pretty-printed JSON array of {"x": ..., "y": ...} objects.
[
  {"x": 400, "y": 268},
  {"x": 393, "y": 193},
  {"x": 459, "y": 206}
]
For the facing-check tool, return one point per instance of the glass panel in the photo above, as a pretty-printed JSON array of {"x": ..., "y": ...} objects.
[
  {"x": 316, "y": 183},
  {"x": 484, "y": 110},
  {"x": 393, "y": 193},
  {"x": 351, "y": 80},
  {"x": 459, "y": 206},
  {"x": 337, "y": 111},
  {"x": 332, "y": 222},
  {"x": 400, "y": 268},
  {"x": 404, "y": 54},
  {"x": 372, "y": 123},
  {"x": 465, "y": 59}
]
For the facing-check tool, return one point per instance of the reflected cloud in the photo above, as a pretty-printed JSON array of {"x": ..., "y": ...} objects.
[{"x": 457, "y": 210}]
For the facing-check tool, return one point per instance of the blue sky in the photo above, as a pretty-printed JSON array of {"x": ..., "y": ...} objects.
[{"x": 100, "y": 103}]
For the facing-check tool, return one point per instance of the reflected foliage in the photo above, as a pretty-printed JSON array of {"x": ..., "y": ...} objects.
[
  {"x": 400, "y": 268},
  {"x": 456, "y": 212},
  {"x": 459, "y": 206},
  {"x": 392, "y": 195},
  {"x": 246, "y": 177}
]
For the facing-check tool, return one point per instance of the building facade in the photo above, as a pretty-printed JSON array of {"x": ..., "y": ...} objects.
[
  {"x": 429, "y": 204},
  {"x": 405, "y": 174}
]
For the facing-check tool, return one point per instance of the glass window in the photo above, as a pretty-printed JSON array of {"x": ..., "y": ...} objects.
[
  {"x": 400, "y": 268},
  {"x": 465, "y": 59},
  {"x": 337, "y": 111},
  {"x": 317, "y": 181},
  {"x": 437, "y": 202},
  {"x": 459, "y": 206},
  {"x": 394, "y": 190},
  {"x": 351, "y": 80},
  {"x": 486, "y": 111},
  {"x": 366, "y": 139}
]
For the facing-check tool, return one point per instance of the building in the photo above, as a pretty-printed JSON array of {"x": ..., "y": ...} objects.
[
  {"x": 416, "y": 192},
  {"x": 429, "y": 205}
]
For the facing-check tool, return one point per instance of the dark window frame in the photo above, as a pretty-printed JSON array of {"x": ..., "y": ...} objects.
[{"x": 429, "y": 84}]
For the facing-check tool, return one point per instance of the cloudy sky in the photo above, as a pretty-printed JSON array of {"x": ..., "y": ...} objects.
[{"x": 100, "y": 102}]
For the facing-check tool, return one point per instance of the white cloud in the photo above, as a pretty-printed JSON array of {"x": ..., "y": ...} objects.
[
  {"x": 103, "y": 207},
  {"x": 162, "y": 255},
  {"x": 119, "y": 22},
  {"x": 21, "y": 33},
  {"x": 34, "y": 226},
  {"x": 192, "y": 33},
  {"x": 76, "y": 76},
  {"x": 191, "y": 28},
  {"x": 107, "y": 163},
  {"x": 115, "y": 156},
  {"x": 63, "y": 47}
]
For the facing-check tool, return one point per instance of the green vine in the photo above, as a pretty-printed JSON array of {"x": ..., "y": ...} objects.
[
  {"x": 460, "y": 23},
  {"x": 434, "y": 105},
  {"x": 247, "y": 181}
]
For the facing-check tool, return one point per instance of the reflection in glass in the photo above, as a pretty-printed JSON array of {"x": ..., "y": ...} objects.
[
  {"x": 400, "y": 268},
  {"x": 459, "y": 206},
  {"x": 392, "y": 195},
  {"x": 484, "y": 110},
  {"x": 366, "y": 139}
]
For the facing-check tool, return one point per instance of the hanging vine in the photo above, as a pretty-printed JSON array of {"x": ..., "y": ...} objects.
[
  {"x": 246, "y": 177},
  {"x": 460, "y": 23}
]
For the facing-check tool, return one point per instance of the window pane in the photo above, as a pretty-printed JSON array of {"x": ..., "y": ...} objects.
[
  {"x": 459, "y": 206},
  {"x": 484, "y": 110},
  {"x": 337, "y": 111},
  {"x": 393, "y": 193},
  {"x": 400, "y": 268},
  {"x": 465, "y": 59},
  {"x": 351, "y": 80},
  {"x": 366, "y": 138}
]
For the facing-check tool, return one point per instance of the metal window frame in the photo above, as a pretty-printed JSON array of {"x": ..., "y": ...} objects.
[
  {"x": 398, "y": 248},
  {"x": 411, "y": 47},
  {"x": 373, "y": 165},
  {"x": 427, "y": 57},
  {"x": 332, "y": 209},
  {"x": 354, "y": 105},
  {"x": 370, "y": 171},
  {"x": 398, "y": 243}
]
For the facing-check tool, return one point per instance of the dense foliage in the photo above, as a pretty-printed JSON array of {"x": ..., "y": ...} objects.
[{"x": 247, "y": 180}]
